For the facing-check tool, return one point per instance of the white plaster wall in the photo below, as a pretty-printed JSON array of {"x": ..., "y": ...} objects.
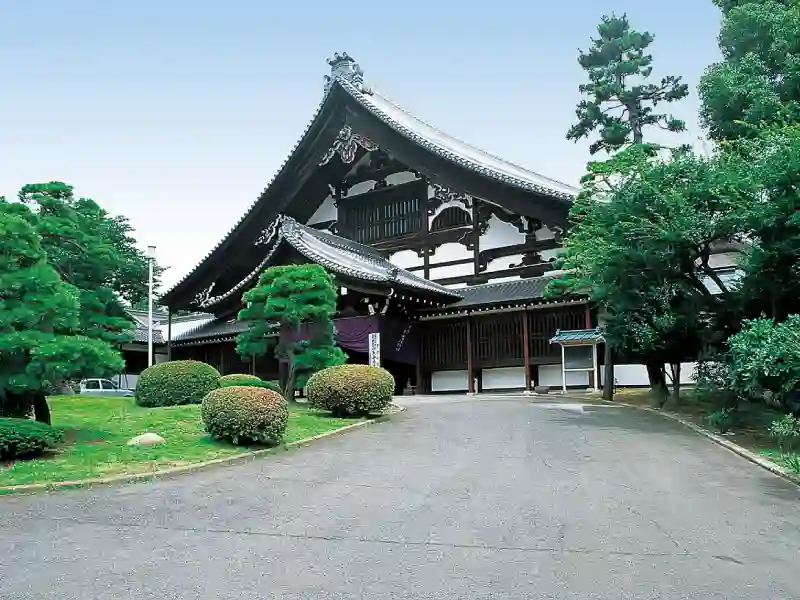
[
  {"x": 326, "y": 212},
  {"x": 449, "y": 381},
  {"x": 545, "y": 233},
  {"x": 500, "y": 234},
  {"x": 550, "y": 375},
  {"x": 447, "y": 252},
  {"x": 506, "y": 262},
  {"x": 360, "y": 188},
  {"x": 550, "y": 255},
  {"x": 401, "y": 177},
  {"x": 503, "y": 378},
  {"x": 636, "y": 375},
  {"x": 406, "y": 259}
]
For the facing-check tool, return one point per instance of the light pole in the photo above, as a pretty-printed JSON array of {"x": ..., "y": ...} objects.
[{"x": 151, "y": 257}]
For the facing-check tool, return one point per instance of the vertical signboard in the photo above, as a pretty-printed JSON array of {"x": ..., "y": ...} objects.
[{"x": 374, "y": 349}]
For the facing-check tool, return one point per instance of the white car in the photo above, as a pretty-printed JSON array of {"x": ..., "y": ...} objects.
[{"x": 103, "y": 387}]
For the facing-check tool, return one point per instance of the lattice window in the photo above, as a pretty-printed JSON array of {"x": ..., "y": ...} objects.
[{"x": 387, "y": 213}]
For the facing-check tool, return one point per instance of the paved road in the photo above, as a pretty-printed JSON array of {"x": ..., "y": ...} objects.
[{"x": 467, "y": 499}]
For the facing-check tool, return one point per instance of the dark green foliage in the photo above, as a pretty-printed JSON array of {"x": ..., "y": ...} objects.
[
  {"x": 754, "y": 93},
  {"x": 284, "y": 298},
  {"x": 787, "y": 431},
  {"x": 351, "y": 389},
  {"x": 39, "y": 321},
  {"x": 619, "y": 102},
  {"x": 245, "y": 414},
  {"x": 91, "y": 250},
  {"x": 722, "y": 420},
  {"x": 176, "y": 382},
  {"x": 764, "y": 359},
  {"x": 23, "y": 438},
  {"x": 758, "y": 81},
  {"x": 247, "y": 380}
]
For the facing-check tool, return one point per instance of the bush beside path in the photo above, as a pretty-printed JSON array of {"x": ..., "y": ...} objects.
[{"x": 96, "y": 431}]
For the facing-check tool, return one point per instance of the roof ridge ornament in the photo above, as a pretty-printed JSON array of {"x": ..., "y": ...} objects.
[{"x": 344, "y": 68}]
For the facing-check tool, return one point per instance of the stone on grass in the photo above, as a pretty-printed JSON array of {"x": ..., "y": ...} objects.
[{"x": 147, "y": 439}]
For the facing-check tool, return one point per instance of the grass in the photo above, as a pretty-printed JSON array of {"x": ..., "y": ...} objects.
[
  {"x": 97, "y": 429},
  {"x": 750, "y": 430}
]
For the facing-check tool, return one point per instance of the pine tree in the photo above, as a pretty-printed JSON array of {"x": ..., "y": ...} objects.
[
  {"x": 620, "y": 103},
  {"x": 39, "y": 315},
  {"x": 286, "y": 298},
  {"x": 94, "y": 252},
  {"x": 619, "y": 106}
]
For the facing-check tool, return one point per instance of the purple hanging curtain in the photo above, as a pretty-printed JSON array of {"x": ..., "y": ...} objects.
[
  {"x": 399, "y": 338},
  {"x": 352, "y": 333}
]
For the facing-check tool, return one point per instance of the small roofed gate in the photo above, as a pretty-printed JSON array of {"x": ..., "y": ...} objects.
[{"x": 496, "y": 339}]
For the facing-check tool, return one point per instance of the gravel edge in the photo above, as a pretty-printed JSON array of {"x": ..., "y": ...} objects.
[{"x": 754, "y": 458}]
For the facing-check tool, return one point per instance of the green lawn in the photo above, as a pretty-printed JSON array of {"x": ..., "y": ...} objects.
[{"x": 96, "y": 431}]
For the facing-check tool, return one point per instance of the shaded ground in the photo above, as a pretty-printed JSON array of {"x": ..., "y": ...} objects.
[
  {"x": 751, "y": 427},
  {"x": 455, "y": 498}
]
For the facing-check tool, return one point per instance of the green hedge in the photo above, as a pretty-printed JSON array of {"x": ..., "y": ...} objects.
[
  {"x": 176, "y": 382},
  {"x": 247, "y": 380},
  {"x": 351, "y": 389},
  {"x": 245, "y": 414},
  {"x": 20, "y": 438}
]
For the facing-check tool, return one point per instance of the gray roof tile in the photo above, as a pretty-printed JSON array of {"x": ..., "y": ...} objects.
[
  {"x": 216, "y": 328},
  {"x": 518, "y": 290},
  {"x": 572, "y": 336}
]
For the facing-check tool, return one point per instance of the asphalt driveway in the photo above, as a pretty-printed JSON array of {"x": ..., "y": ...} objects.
[{"x": 455, "y": 498}]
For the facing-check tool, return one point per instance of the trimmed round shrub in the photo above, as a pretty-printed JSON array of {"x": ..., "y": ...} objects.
[
  {"x": 245, "y": 414},
  {"x": 247, "y": 380},
  {"x": 21, "y": 438},
  {"x": 351, "y": 389},
  {"x": 176, "y": 382}
]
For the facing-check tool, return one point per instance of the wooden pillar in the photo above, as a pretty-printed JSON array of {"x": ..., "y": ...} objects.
[
  {"x": 169, "y": 333},
  {"x": 470, "y": 371},
  {"x": 476, "y": 238},
  {"x": 526, "y": 345},
  {"x": 593, "y": 372}
]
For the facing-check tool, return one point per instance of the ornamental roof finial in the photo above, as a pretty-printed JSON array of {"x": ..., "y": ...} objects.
[{"x": 344, "y": 68}]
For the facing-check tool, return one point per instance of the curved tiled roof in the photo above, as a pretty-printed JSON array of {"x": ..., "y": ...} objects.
[
  {"x": 412, "y": 128},
  {"x": 340, "y": 256},
  {"x": 454, "y": 149}
]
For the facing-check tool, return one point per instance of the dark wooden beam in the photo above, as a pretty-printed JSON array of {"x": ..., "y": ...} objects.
[
  {"x": 470, "y": 373},
  {"x": 486, "y": 276},
  {"x": 373, "y": 173},
  {"x": 476, "y": 238},
  {"x": 527, "y": 248},
  {"x": 169, "y": 333},
  {"x": 446, "y": 263},
  {"x": 526, "y": 350}
]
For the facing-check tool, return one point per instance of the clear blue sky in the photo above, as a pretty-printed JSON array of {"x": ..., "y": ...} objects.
[{"x": 177, "y": 113}]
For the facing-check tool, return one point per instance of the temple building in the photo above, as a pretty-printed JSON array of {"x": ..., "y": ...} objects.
[{"x": 444, "y": 249}]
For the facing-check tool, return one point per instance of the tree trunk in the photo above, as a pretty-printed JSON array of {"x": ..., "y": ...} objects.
[
  {"x": 658, "y": 383},
  {"x": 608, "y": 373},
  {"x": 41, "y": 410},
  {"x": 675, "y": 369}
]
